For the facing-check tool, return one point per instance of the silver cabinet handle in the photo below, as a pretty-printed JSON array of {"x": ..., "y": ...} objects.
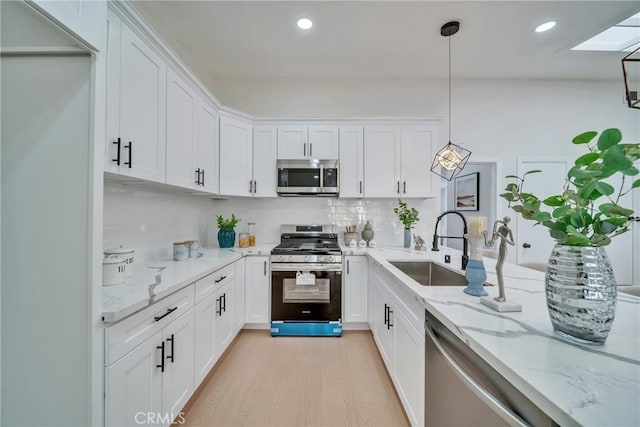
[
  {"x": 473, "y": 385},
  {"x": 348, "y": 267}
]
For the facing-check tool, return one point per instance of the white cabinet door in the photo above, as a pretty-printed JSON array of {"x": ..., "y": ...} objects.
[
  {"x": 181, "y": 109},
  {"x": 235, "y": 157},
  {"x": 381, "y": 161},
  {"x": 204, "y": 338},
  {"x": 323, "y": 142},
  {"x": 355, "y": 289},
  {"x": 224, "y": 319},
  {"x": 177, "y": 379},
  {"x": 239, "y": 308},
  {"x": 265, "y": 153},
  {"x": 207, "y": 147},
  {"x": 114, "y": 37},
  {"x": 383, "y": 319},
  {"x": 409, "y": 367},
  {"x": 141, "y": 103},
  {"x": 416, "y": 154},
  {"x": 258, "y": 289},
  {"x": 84, "y": 18},
  {"x": 292, "y": 142},
  {"x": 133, "y": 384},
  {"x": 351, "y": 161}
]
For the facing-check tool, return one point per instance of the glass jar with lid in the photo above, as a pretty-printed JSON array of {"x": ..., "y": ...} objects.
[
  {"x": 243, "y": 240},
  {"x": 252, "y": 234}
]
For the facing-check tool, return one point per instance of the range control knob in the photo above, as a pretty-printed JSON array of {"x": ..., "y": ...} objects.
[{"x": 307, "y": 258}]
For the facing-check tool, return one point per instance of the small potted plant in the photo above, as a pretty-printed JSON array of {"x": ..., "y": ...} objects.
[
  {"x": 580, "y": 285},
  {"x": 226, "y": 232},
  {"x": 408, "y": 217}
]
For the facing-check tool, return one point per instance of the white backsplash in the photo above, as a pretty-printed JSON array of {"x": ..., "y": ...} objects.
[
  {"x": 149, "y": 219},
  {"x": 269, "y": 214}
]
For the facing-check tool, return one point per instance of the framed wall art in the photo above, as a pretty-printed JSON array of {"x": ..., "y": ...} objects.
[{"x": 467, "y": 189}]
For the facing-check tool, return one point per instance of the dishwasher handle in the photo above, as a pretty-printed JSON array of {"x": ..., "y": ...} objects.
[{"x": 473, "y": 385}]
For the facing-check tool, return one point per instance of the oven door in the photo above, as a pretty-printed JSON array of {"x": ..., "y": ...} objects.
[{"x": 306, "y": 292}]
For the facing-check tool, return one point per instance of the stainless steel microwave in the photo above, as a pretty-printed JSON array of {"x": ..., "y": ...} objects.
[{"x": 307, "y": 177}]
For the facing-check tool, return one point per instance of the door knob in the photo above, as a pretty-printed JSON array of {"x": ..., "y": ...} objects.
[{"x": 526, "y": 245}]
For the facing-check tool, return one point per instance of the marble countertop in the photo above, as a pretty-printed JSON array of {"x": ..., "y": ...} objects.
[
  {"x": 154, "y": 281},
  {"x": 574, "y": 384}
]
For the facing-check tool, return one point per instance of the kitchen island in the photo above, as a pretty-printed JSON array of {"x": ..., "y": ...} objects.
[{"x": 574, "y": 384}]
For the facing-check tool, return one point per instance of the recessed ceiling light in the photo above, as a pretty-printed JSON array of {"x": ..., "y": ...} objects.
[
  {"x": 304, "y": 23},
  {"x": 545, "y": 27}
]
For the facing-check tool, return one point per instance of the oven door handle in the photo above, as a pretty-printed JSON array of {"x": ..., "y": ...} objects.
[{"x": 294, "y": 267}]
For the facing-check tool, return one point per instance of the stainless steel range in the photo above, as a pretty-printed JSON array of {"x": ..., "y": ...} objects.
[{"x": 306, "y": 282}]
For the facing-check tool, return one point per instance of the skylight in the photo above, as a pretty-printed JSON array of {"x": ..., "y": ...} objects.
[{"x": 624, "y": 36}]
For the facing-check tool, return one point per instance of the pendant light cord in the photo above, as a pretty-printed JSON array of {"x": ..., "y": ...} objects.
[{"x": 449, "y": 88}]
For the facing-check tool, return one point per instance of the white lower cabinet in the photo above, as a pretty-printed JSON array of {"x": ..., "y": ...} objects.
[
  {"x": 205, "y": 340},
  {"x": 153, "y": 382},
  {"x": 258, "y": 288},
  {"x": 400, "y": 344},
  {"x": 224, "y": 322},
  {"x": 354, "y": 288},
  {"x": 239, "y": 298}
]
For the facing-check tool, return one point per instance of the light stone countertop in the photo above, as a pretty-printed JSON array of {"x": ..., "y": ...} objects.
[{"x": 574, "y": 384}]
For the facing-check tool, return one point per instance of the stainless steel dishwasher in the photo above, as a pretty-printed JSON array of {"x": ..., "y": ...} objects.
[{"x": 461, "y": 389}]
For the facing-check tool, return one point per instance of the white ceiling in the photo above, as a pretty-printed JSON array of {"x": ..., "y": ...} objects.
[{"x": 391, "y": 39}]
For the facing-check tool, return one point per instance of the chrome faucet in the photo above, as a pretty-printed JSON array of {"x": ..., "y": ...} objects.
[{"x": 465, "y": 243}]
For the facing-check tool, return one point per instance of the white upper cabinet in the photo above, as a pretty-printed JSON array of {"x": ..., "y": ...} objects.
[
  {"x": 192, "y": 137},
  {"x": 397, "y": 161},
  {"x": 381, "y": 161},
  {"x": 265, "y": 148},
  {"x": 136, "y": 91},
  {"x": 292, "y": 142},
  {"x": 416, "y": 155},
  {"x": 323, "y": 142},
  {"x": 308, "y": 142},
  {"x": 181, "y": 109},
  {"x": 351, "y": 161},
  {"x": 207, "y": 147},
  {"x": 236, "y": 157},
  {"x": 83, "y": 18}
]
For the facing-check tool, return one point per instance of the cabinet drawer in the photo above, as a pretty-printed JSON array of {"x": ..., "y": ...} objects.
[
  {"x": 209, "y": 284},
  {"x": 125, "y": 335}
]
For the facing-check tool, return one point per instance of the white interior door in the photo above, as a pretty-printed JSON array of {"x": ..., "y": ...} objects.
[{"x": 534, "y": 243}]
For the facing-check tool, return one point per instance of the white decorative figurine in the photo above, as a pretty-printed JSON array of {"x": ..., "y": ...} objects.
[{"x": 501, "y": 231}]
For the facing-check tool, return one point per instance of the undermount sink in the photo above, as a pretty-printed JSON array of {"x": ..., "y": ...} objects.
[{"x": 428, "y": 273}]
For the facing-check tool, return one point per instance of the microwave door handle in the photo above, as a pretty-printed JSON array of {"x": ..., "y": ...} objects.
[{"x": 321, "y": 177}]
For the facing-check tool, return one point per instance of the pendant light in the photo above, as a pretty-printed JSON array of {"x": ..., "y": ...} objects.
[
  {"x": 631, "y": 66},
  {"x": 450, "y": 159}
]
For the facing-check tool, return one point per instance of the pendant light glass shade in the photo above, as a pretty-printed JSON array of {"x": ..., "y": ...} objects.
[
  {"x": 631, "y": 73},
  {"x": 451, "y": 159}
]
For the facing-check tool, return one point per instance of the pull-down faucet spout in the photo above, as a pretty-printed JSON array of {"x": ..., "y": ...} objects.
[{"x": 465, "y": 243}]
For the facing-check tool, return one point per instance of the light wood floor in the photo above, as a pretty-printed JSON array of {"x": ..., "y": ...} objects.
[{"x": 297, "y": 381}]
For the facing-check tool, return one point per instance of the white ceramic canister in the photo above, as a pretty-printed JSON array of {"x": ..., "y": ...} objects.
[
  {"x": 181, "y": 251},
  {"x": 123, "y": 253},
  {"x": 113, "y": 270},
  {"x": 194, "y": 246}
]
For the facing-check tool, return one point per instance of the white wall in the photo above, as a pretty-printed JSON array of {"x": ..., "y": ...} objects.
[{"x": 46, "y": 326}]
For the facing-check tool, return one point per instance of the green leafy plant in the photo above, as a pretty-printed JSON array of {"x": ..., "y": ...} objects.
[
  {"x": 408, "y": 216},
  {"x": 587, "y": 212},
  {"x": 227, "y": 223}
]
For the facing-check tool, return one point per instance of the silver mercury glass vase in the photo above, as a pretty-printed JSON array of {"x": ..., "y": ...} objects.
[{"x": 581, "y": 293}]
